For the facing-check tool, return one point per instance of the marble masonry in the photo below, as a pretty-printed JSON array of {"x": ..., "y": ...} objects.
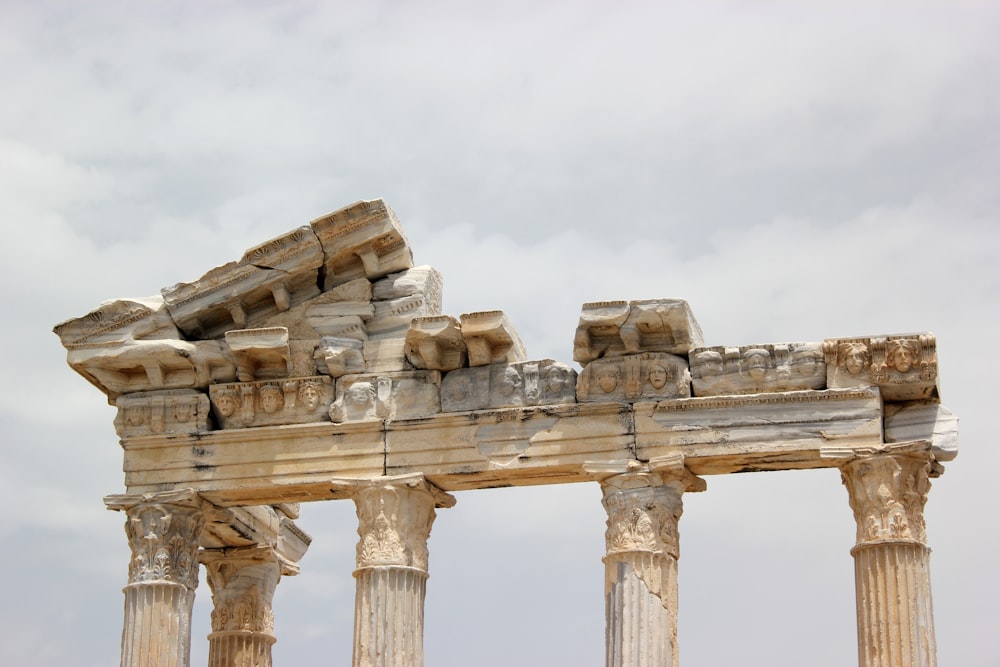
[{"x": 320, "y": 366}]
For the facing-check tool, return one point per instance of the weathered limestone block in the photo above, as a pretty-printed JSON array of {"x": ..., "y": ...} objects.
[
  {"x": 269, "y": 279},
  {"x": 609, "y": 328},
  {"x": 118, "y": 321},
  {"x": 544, "y": 382},
  {"x": 400, "y": 298},
  {"x": 435, "y": 343},
  {"x": 336, "y": 309},
  {"x": 171, "y": 411},
  {"x": 633, "y": 377},
  {"x": 402, "y": 395},
  {"x": 385, "y": 356},
  {"x": 490, "y": 338},
  {"x": 363, "y": 240},
  {"x": 337, "y": 356},
  {"x": 260, "y": 354},
  {"x": 148, "y": 365},
  {"x": 923, "y": 420},
  {"x": 752, "y": 369},
  {"x": 903, "y": 366},
  {"x": 263, "y": 403}
]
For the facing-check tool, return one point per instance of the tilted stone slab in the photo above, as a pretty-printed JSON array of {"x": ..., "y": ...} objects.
[
  {"x": 753, "y": 369},
  {"x": 490, "y": 338},
  {"x": 269, "y": 279},
  {"x": 299, "y": 400},
  {"x": 902, "y": 366},
  {"x": 777, "y": 431},
  {"x": 363, "y": 240},
  {"x": 515, "y": 446},
  {"x": 115, "y": 322},
  {"x": 609, "y": 328},
  {"x": 634, "y": 377},
  {"x": 258, "y": 466},
  {"x": 544, "y": 382},
  {"x": 167, "y": 412},
  {"x": 923, "y": 420},
  {"x": 400, "y": 395}
]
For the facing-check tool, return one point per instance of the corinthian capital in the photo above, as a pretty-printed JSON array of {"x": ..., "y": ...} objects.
[{"x": 887, "y": 493}]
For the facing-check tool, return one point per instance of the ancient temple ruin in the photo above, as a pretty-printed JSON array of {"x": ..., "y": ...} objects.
[{"x": 319, "y": 366}]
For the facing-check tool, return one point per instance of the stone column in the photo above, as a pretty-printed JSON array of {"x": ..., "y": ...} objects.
[
  {"x": 640, "y": 586},
  {"x": 242, "y": 580},
  {"x": 163, "y": 531},
  {"x": 395, "y": 515},
  {"x": 891, "y": 559}
]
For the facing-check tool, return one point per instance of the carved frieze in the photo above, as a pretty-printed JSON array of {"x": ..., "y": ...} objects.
[
  {"x": 162, "y": 412},
  {"x": 490, "y": 338},
  {"x": 435, "y": 343},
  {"x": 887, "y": 493},
  {"x": 149, "y": 365},
  {"x": 244, "y": 294},
  {"x": 636, "y": 377},
  {"x": 264, "y": 403},
  {"x": 753, "y": 369},
  {"x": 543, "y": 382},
  {"x": 363, "y": 240},
  {"x": 260, "y": 354},
  {"x": 609, "y": 328},
  {"x": 902, "y": 366},
  {"x": 401, "y": 395}
]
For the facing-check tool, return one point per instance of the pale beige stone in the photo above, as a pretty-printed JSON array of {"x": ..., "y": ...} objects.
[
  {"x": 902, "y": 366},
  {"x": 260, "y": 354},
  {"x": 168, "y": 412},
  {"x": 491, "y": 339},
  {"x": 543, "y": 382},
  {"x": 363, "y": 240},
  {"x": 634, "y": 377},
  {"x": 264, "y": 403},
  {"x": 752, "y": 369},
  {"x": 401, "y": 395},
  {"x": 609, "y": 328},
  {"x": 117, "y": 321},
  {"x": 435, "y": 343},
  {"x": 385, "y": 356},
  {"x": 336, "y": 356},
  {"x": 923, "y": 420}
]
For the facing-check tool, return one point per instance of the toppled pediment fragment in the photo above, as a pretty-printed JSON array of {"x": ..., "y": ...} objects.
[
  {"x": 526, "y": 383},
  {"x": 116, "y": 321},
  {"x": 902, "y": 366},
  {"x": 436, "y": 343},
  {"x": 491, "y": 339},
  {"x": 260, "y": 353},
  {"x": 611, "y": 328},
  {"x": 363, "y": 240},
  {"x": 162, "y": 412},
  {"x": 649, "y": 376},
  {"x": 271, "y": 402},
  {"x": 752, "y": 369}
]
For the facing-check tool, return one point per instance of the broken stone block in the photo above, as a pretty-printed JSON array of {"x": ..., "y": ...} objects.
[
  {"x": 923, "y": 420},
  {"x": 116, "y": 321},
  {"x": 752, "y": 369},
  {"x": 902, "y": 366},
  {"x": 363, "y": 240},
  {"x": 435, "y": 343},
  {"x": 611, "y": 328},
  {"x": 336, "y": 356},
  {"x": 260, "y": 354},
  {"x": 270, "y": 402},
  {"x": 161, "y": 412},
  {"x": 491, "y": 339},
  {"x": 650, "y": 376},
  {"x": 400, "y": 298}
]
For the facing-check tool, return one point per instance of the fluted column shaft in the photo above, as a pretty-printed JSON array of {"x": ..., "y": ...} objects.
[
  {"x": 163, "y": 532},
  {"x": 395, "y": 515},
  {"x": 891, "y": 559},
  {"x": 243, "y": 580},
  {"x": 641, "y": 565}
]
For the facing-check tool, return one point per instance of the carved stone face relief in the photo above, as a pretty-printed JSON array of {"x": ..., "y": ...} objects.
[
  {"x": 658, "y": 375},
  {"x": 511, "y": 383},
  {"x": 607, "y": 378},
  {"x": 271, "y": 398},
  {"x": 310, "y": 396},
  {"x": 226, "y": 403},
  {"x": 855, "y": 357},
  {"x": 902, "y": 356},
  {"x": 756, "y": 362}
]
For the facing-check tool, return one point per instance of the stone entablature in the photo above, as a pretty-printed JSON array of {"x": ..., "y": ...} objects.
[{"x": 320, "y": 366}]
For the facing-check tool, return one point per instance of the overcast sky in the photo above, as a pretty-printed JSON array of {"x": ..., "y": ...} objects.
[{"x": 796, "y": 171}]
